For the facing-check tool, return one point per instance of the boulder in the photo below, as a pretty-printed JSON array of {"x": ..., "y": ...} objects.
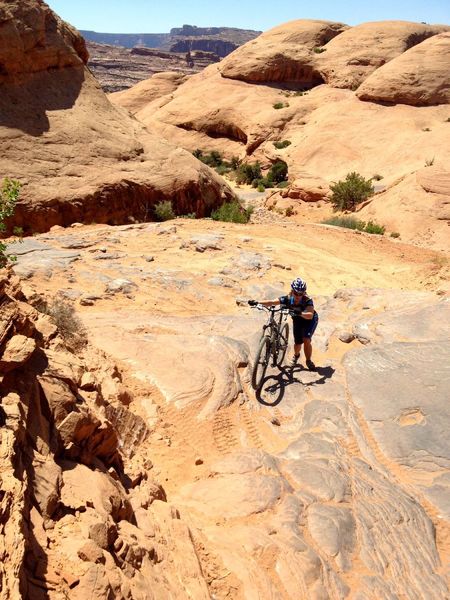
[
  {"x": 418, "y": 77},
  {"x": 16, "y": 353}
]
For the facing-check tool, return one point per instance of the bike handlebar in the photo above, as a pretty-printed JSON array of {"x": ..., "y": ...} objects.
[{"x": 273, "y": 308}]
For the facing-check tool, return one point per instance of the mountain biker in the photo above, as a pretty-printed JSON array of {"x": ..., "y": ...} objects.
[{"x": 304, "y": 319}]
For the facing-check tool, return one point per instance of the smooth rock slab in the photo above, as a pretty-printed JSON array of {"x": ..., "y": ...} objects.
[{"x": 402, "y": 391}]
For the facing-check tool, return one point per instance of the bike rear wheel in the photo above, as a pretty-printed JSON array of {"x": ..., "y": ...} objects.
[
  {"x": 282, "y": 344},
  {"x": 261, "y": 363}
]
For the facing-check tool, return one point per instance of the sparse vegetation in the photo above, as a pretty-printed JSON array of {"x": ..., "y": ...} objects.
[
  {"x": 232, "y": 212},
  {"x": 348, "y": 193},
  {"x": 278, "y": 172},
  {"x": 395, "y": 234},
  {"x": 289, "y": 211},
  {"x": 426, "y": 129},
  {"x": 352, "y": 223},
  {"x": 279, "y": 105},
  {"x": 164, "y": 211},
  {"x": 248, "y": 173},
  {"x": 429, "y": 162},
  {"x": 319, "y": 50},
  {"x": 377, "y": 177},
  {"x": 281, "y": 145},
  {"x": 9, "y": 194},
  {"x": 283, "y": 184},
  {"x": 69, "y": 325}
]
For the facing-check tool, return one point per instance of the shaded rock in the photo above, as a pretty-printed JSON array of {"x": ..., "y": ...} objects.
[{"x": 90, "y": 552}]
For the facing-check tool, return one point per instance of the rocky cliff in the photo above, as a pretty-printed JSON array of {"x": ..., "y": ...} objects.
[{"x": 77, "y": 157}]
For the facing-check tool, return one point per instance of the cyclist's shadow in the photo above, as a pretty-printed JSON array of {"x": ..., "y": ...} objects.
[{"x": 273, "y": 387}]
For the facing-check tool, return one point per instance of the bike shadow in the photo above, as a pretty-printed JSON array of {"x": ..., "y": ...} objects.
[{"x": 273, "y": 387}]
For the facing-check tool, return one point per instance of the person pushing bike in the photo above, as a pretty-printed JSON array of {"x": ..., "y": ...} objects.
[{"x": 304, "y": 319}]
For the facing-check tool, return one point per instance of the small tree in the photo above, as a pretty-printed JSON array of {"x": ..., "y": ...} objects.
[
  {"x": 278, "y": 172},
  {"x": 350, "y": 192},
  {"x": 9, "y": 194}
]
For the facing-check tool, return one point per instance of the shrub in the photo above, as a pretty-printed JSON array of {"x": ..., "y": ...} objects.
[
  {"x": 347, "y": 194},
  {"x": 278, "y": 105},
  {"x": 9, "y": 193},
  {"x": 426, "y": 129},
  {"x": 372, "y": 227},
  {"x": 319, "y": 50},
  {"x": 198, "y": 153},
  {"x": 352, "y": 223},
  {"x": 395, "y": 234},
  {"x": 377, "y": 177},
  {"x": 289, "y": 211},
  {"x": 278, "y": 172},
  {"x": 429, "y": 162},
  {"x": 281, "y": 145},
  {"x": 69, "y": 325},
  {"x": 163, "y": 211},
  {"x": 191, "y": 215},
  {"x": 247, "y": 173},
  {"x": 222, "y": 169},
  {"x": 232, "y": 212},
  {"x": 235, "y": 162},
  {"x": 283, "y": 184},
  {"x": 261, "y": 187}
]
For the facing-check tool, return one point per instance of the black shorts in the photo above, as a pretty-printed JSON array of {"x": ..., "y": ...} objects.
[{"x": 304, "y": 328}]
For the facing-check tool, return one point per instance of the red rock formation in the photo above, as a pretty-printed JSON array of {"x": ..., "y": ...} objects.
[{"x": 78, "y": 157}]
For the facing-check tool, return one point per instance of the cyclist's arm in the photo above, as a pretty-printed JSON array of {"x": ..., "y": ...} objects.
[
  {"x": 270, "y": 302},
  {"x": 308, "y": 313}
]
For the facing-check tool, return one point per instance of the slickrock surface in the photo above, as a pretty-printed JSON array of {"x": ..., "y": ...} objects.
[
  {"x": 78, "y": 157},
  {"x": 276, "y": 88},
  {"x": 330, "y": 483},
  {"x": 418, "y": 77}
]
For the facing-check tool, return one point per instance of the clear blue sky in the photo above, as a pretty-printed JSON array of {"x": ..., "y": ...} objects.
[{"x": 159, "y": 16}]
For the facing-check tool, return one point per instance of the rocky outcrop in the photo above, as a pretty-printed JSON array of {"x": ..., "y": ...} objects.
[
  {"x": 77, "y": 157},
  {"x": 284, "y": 54},
  {"x": 76, "y": 513},
  {"x": 418, "y": 77},
  {"x": 351, "y": 57}
]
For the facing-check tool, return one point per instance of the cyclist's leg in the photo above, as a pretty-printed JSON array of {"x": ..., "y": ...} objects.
[
  {"x": 308, "y": 331},
  {"x": 298, "y": 337}
]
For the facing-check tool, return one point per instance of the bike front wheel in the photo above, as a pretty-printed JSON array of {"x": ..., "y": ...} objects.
[
  {"x": 261, "y": 363},
  {"x": 282, "y": 344}
]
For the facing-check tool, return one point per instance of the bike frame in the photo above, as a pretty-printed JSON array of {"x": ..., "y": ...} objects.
[{"x": 272, "y": 329}]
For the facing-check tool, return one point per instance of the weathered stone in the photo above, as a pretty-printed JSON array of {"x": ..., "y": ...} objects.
[{"x": 16, "y": 353}]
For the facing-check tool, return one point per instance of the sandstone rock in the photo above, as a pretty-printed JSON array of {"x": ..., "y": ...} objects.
[
  {"x": 307, "y": 188},
  {"x": 283, "y": 54},
  {"x": 356, "y": 53},
  {"x": 417, "y": 77},
  {"x": 95, "y": 583},
  {"x": 113, "y": 169},
  {"x": 103, "y": 534},
  {"x": 90, "y": 552},
  {"x": 16, "y": 353},
  {"x": 144, "y": 92}
]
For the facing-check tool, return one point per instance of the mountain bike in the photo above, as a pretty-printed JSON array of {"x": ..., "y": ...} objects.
[{"x": 273, "y": 344}]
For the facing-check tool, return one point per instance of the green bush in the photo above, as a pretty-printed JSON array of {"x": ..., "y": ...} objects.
[
  {"x": 372, "y": 227},
  {"x": 350, "y": 192},
  {"x": 248, "y": 172},
  {"x": 232, "y": 212},
  {"x": 213, "y": 159},
  {"x": 9, "y": 194},
  {"x": 281, "y": 145},
  {"x": 352, "y": 223},
  {"x": 164, "y": 211},
  {"x": 278, "y": 105},
  {"x": 278, "y": 172},
  {"x": 319, "y": 50},
  {"x": 283, "y": 184},
  {"x": 261, "y": 187}
]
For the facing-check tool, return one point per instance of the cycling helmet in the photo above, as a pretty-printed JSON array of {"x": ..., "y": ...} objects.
[{"x": 298, "y": 285}]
